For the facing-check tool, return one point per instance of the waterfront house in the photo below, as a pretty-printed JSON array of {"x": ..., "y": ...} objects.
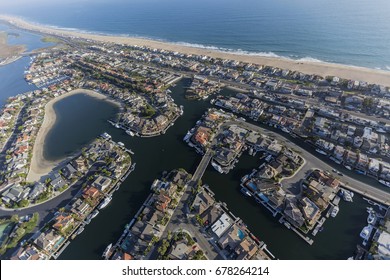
[
  {"x": 274, "y": 148},
  {"x": 80, "y": 164},
  {"x": 57, "y": 182},
  {"x": 38, "y": 188},
  {"x": 293, "y": 214},
  {"x": 310, "y": 210},
  {"x": 91, "y": 193},
  {"x": 134, "y": 246},
  {"x": 145, "y": 231},
  {"x": 202, "y": 202},
  {"x": 231, "y": 238},
  {"x": 202, "y": 136},
  {"x": 221, "y": 225},
  {"x": 63, "y": 222},
  {"x": 246, "y": 249},
  {"x": 102, "y": 183},
  {"x": 211, "y": 215},
  {"x": 68, "y": 171},
  {"x": 47, "y": 240},
  {"x": 28, "y": 253},
  {"x": 80, "y": 207}
]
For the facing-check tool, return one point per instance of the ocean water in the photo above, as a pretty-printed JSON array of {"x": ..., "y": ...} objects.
[{"x": 353, "y": 32}]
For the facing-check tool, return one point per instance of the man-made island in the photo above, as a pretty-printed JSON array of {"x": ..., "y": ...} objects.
[{"x": 329, "y": 107}]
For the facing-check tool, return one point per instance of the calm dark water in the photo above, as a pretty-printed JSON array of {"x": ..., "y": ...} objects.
[
  {"x": 166, "y": 152},
  {"x": 12, "y": 75},
  {"x": 355, "y": 32},
  {"x": 79, "y": 119}
]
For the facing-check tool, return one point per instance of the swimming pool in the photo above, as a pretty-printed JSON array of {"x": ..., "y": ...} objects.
[{"x": 240, "y": 234}]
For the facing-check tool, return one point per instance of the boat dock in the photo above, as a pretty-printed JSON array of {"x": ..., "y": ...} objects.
[{"x": 306, "y": 238}]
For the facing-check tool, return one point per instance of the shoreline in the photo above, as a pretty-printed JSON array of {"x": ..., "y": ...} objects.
[
  {"x": 40, "y": 166},
  {"x": 323, "y": 69}
]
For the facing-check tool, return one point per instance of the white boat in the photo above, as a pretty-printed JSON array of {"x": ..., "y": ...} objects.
[
  {"x": 245, "y": 192},
  {"x": 321, "y": 152},
  {"x": 347, "y": 195},
  {"x": 348, "y": 167},
  {"x": 181, "y": 109},
  {"x": 129, "y": 132},
  {"x": 80, "y": 230},
  {"x": 386, "y": 183},
  {"x": 121, "y": 144},
  {"x": 285, "y": 130},
  {"x": 188, "y": 136},
  {"x": 107, "y": 250},
  {"x": 132, "y": 167},
  {"x": 371, "y": 219},
  {"x": 366, "y": 232},
  {"x": 268, "y": 158},
  {"x": 169, "y": 91},
  {"x": 105, "y": 202},
  {"x": 105, "y": 135},
  {"x": 217, "y": 167},
  {"x": 117, "y": 125},
  {"x": 335, "y": 211},
  {"x": 94, "y": 214}
]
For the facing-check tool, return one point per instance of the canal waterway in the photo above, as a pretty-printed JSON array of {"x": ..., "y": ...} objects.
[
  {"x": 81, "y": 118},
  {"x": 154, "y": 155}
]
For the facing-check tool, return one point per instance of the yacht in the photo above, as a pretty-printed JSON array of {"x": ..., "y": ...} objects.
[
  {"x": 94, "y": 214},
  {"x": 107, "y": 250},
  {"x": 285, "y": 130},
  {"x": 80, "y": 230},
  {"x": 386, "y": 183},
  {"x": 117, "y": 125},
  {"x": 371, "y": 219},
  {"x": 107, "y": 136},
  {"x": 321, "y": 152},
  {"x": 366, "y": 232},
  {"x": 121, "y": 144},
  {"x": 129, "y": 132},
  {"x": 187, "y": 137},
  {"x": 217, "y": 167},
  {"x": 335, "y": 211},
  {"x": 347, "y": 195},
  {"x": 105, "y": 202}
]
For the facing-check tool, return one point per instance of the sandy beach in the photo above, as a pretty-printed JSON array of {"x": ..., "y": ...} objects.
[
  {"x": 40, "y": 166},
  {"x": 320, "y": 68}
]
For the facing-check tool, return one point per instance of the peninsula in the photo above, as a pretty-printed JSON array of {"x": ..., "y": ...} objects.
[{"x": 318, "y": 68}]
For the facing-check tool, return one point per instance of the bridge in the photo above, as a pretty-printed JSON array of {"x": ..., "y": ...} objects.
[{"x": 202, "y": 166}]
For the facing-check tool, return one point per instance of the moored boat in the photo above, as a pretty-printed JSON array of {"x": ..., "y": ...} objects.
[
  {"x": 105, "y": 202},
  {"x": 107, "y": 250}
]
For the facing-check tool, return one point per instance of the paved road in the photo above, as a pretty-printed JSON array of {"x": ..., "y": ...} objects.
[{"x": 313, "y": 161}]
